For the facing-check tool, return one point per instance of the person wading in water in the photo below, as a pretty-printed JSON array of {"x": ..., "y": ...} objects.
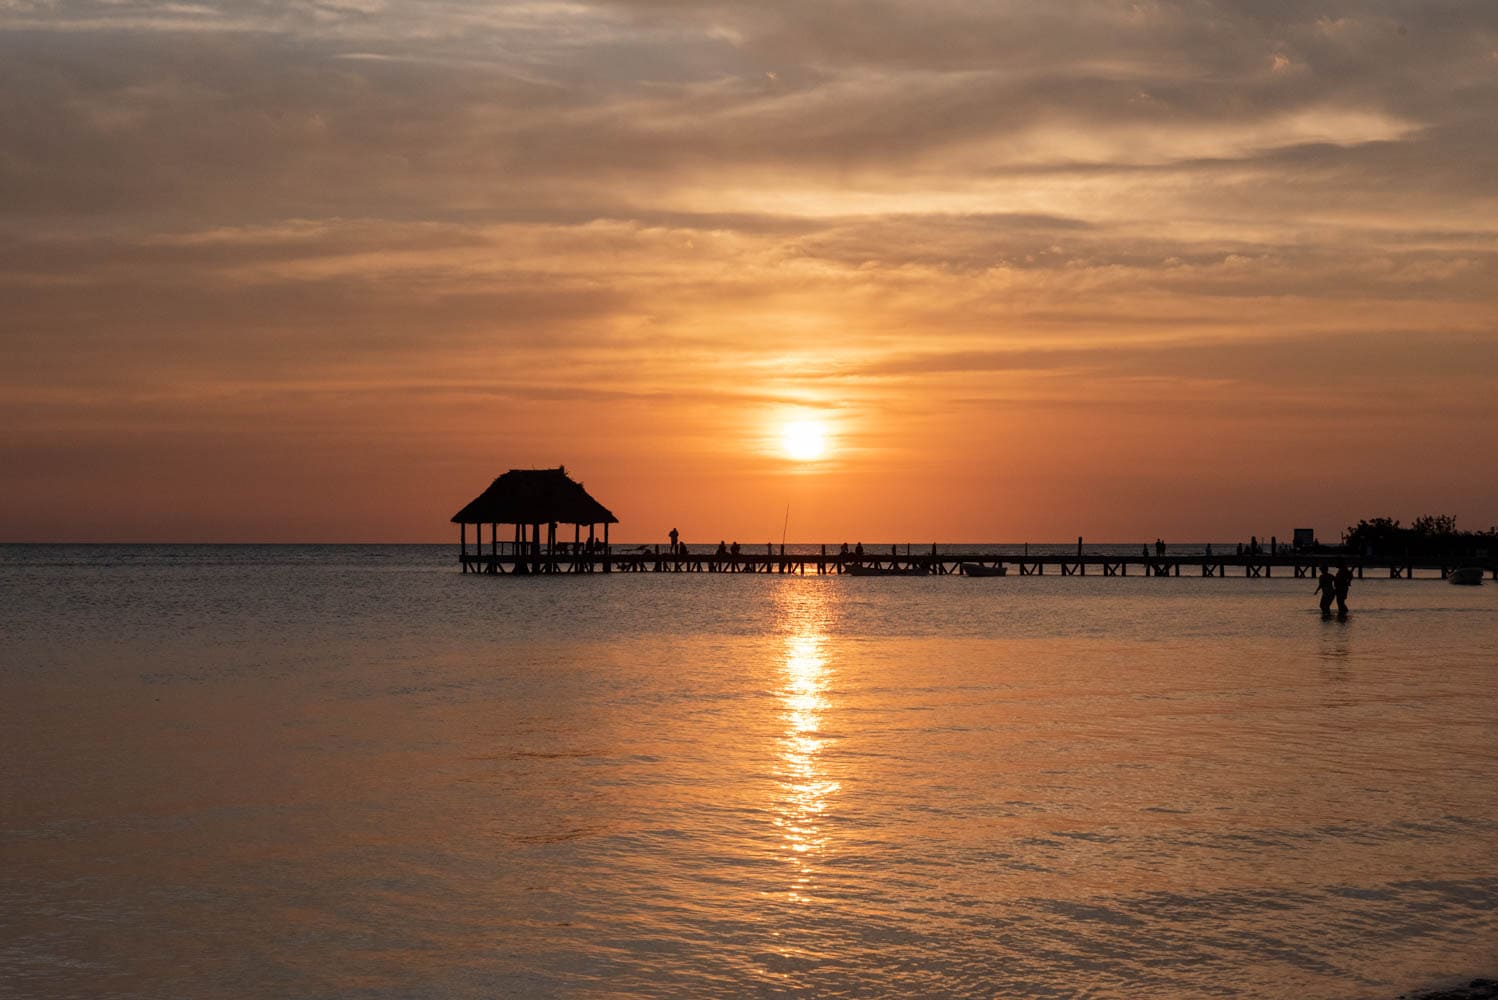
[
  {"x": 1343, "y": 584},
  {"x": 1327, "y": 588}
]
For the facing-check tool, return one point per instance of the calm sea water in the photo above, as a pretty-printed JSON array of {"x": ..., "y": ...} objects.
[{"x": 353, "y": 772}]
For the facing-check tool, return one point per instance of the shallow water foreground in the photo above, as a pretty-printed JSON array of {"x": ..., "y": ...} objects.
[{"x": 264, "y": 772}]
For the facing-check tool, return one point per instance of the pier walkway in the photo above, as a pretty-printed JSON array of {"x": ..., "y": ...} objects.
[{"x": 1303, "y": 565}]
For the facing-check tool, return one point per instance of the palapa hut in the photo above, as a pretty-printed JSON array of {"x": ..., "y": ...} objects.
[{"x": 528, "y": 499}]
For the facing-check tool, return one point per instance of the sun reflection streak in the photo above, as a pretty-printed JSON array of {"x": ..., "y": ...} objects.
[{"x": 805, "y": 788}]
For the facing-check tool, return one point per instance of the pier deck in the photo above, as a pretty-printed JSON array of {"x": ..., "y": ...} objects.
[{"x": 1295, "y": 565}]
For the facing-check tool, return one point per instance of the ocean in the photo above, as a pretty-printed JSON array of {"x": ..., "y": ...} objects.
[{"x": 352, "y": 771}]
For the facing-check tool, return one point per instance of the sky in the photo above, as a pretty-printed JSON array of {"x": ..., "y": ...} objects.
[{"x": 320, "y": 271}]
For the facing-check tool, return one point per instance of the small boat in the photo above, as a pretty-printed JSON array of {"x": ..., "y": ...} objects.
[
  {"x": 1467, "y": 576},
  {"x": 978, "y": 569}
]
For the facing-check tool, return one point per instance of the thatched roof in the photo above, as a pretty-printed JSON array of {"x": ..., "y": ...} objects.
[{"x": 535, "y": 496}]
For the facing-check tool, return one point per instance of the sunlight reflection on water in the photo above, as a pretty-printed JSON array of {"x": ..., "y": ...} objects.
[{"x": 806, "y": 790}]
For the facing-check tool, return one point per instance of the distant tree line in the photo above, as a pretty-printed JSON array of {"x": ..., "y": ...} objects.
[{"x": 1430, "y": 536}]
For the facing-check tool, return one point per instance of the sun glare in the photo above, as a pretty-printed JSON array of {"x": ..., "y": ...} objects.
[{"x": 804, "y": 440}]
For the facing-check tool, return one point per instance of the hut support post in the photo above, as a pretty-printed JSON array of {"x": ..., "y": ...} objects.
[
  {"x": 606, "y": 567},
  {"x": 463, "y": 546}
]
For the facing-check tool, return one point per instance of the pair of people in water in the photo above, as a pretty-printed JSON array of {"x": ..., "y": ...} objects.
[{"x": 1334, "y": 588}]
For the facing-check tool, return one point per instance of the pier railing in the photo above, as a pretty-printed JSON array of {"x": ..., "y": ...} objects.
[{"x": 646, "y": 560}]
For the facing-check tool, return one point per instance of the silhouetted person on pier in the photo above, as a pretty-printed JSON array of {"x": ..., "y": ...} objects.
[
  {"x": 858, "y": 552},
  {"x": 1327, "y": 588},
  {"x": 733, "y": 553},
  {"x": 1144, "y": 550},
  {"x": 720, "y": 555},
  {"x": 1253, "y": 545},
  {"x": 1209, "y": 548},
  {"x": 842, "y": 553},
  {"x": 673, "y": 536},
  {"x": 1343, "y": 583}
]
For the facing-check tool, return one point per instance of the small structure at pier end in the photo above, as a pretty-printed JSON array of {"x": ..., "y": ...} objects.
[{"x": 529, "y": 499}]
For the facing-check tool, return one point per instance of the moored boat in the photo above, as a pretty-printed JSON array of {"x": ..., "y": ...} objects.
[
  {"x": 1467, "y": 576},
  {"x": 978, "y": 569}
]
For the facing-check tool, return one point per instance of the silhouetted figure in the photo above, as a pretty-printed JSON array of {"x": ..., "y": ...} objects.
[
  {"x": 1209, "y": 548},
  {"x": 721, "y": 555},
  {"x": 1274, "y": 545},
  {"x": 1159, "y": 546},
  {"x": 673, "y": 536},
  {"x": 1343, "y": 583},
  {"x": 1327, "y": 588},
  {"x": 1144, "y": 550},
  {"x": 733, "y": 553},
  {"x": 1240, "y": 550},
  {"x": 858, "y": 552}
]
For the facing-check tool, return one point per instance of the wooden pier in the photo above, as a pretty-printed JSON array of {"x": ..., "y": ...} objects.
[
  {"x": 605, "y": 559},
  {"x": 535, "y": 503}
]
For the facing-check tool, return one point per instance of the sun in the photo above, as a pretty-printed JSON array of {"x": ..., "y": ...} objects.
[{"x": 804, "y": 440}]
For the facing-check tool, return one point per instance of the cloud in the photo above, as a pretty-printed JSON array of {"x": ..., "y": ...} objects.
[
  {"x": 537, "y": 214},
  {"x": 465, "y": 112}
]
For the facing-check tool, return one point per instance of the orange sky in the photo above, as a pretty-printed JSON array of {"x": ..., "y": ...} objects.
[{"x": 320, "y": 271}]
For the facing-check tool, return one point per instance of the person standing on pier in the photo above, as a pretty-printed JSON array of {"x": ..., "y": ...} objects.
[
  {"x": 673, "y": 536},
  {"x": 1327, "y": 588},
  {"x": 1343, "y": 584}
]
